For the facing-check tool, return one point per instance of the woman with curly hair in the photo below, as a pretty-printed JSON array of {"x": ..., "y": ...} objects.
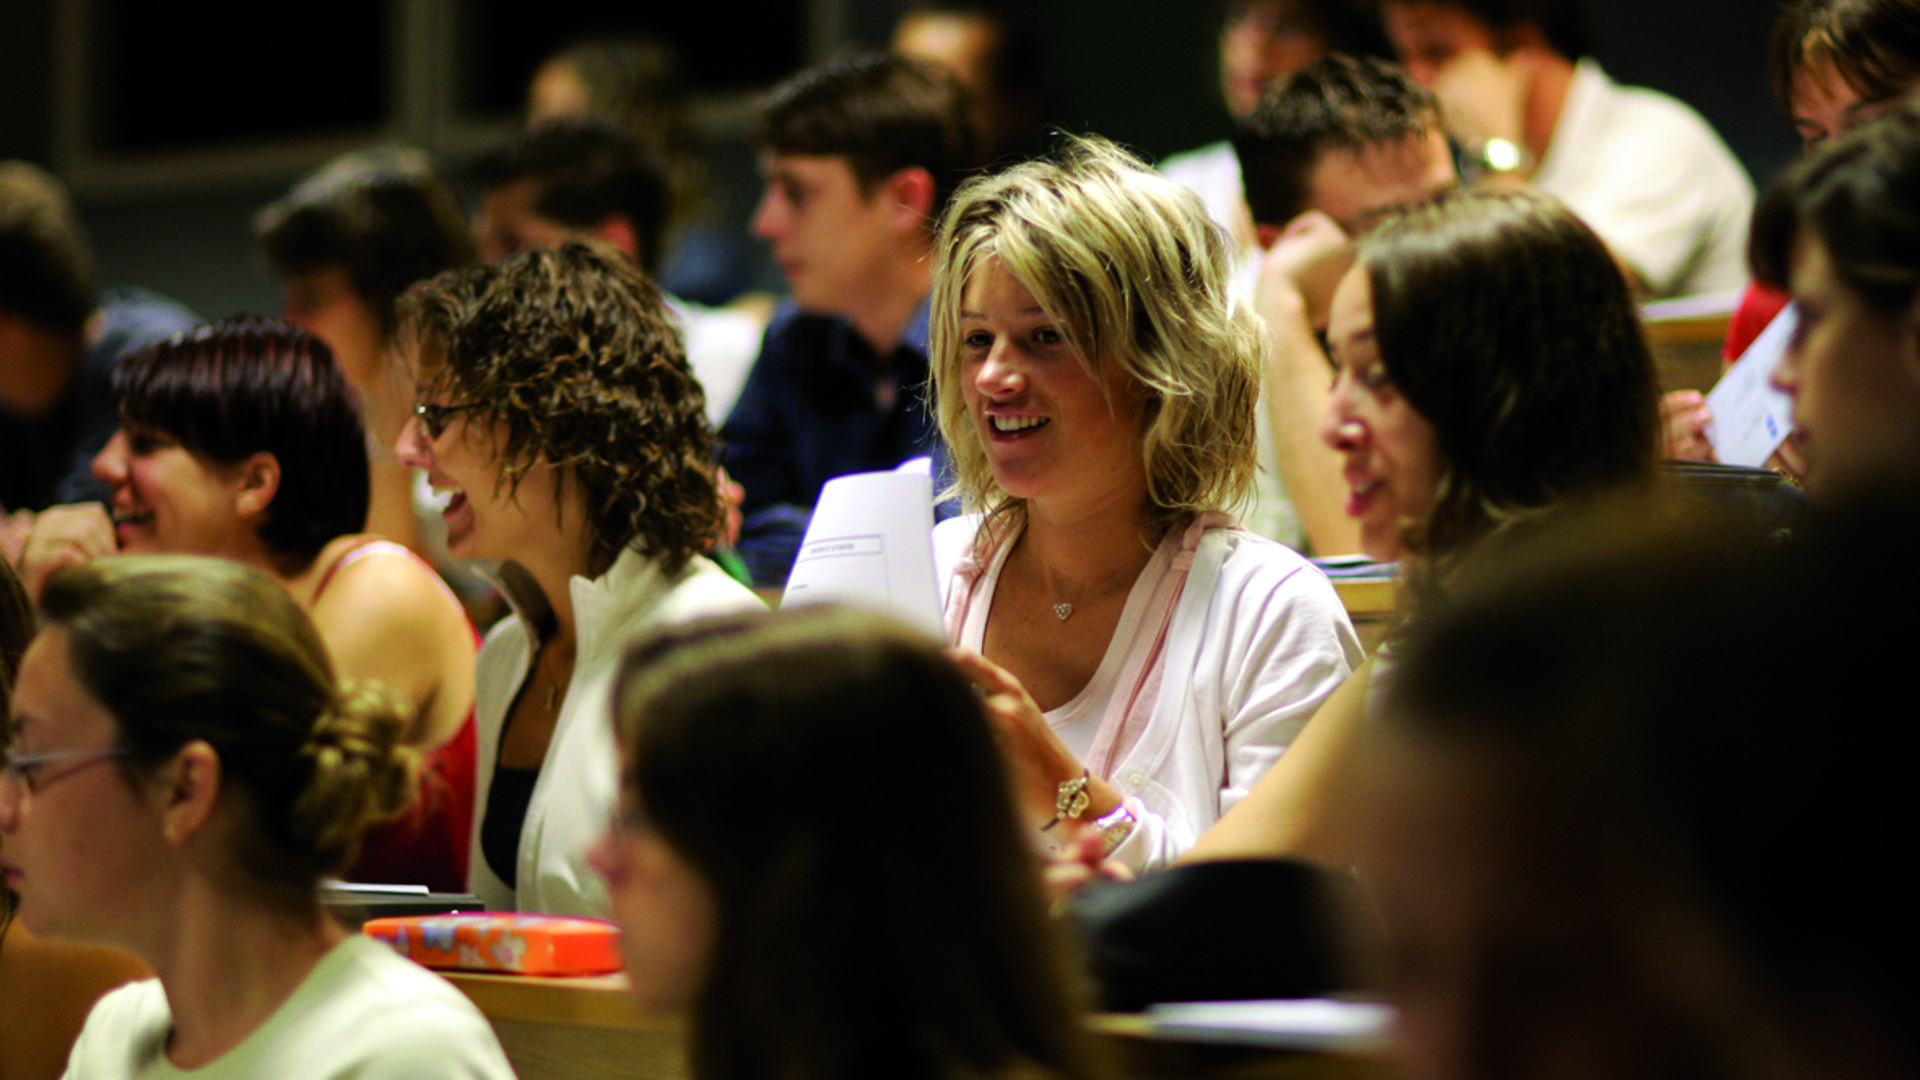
[
  {"x": 556, "y": 409},
  {"x": 1146, "y": 658},
  {"x": 48, "y": 986},
  {"x": 185, "y": 769}
]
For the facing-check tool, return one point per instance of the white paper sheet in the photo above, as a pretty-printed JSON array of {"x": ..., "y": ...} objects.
[
  {"x": 1750, "y": 418},
  {"x": 870, "y": 544},
  {"x": 1305, "y": 1024}
]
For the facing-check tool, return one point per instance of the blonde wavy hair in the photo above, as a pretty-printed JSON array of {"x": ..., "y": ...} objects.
[{"x": 1135, "y": 274}]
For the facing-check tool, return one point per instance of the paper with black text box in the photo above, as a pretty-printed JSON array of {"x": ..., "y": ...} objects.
[
  {"x": 1750, "y": 418},
  {"x": 870, "y": 544}
]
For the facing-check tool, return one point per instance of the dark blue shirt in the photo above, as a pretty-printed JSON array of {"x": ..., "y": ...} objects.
[
  {"x": 48, "y": 459},
  {"x": 820, "y": 403}
]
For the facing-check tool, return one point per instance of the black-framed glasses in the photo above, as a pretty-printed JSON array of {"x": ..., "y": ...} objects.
[
  {"x": 433, "y": 418},
  {"x": 29, "y": 773}
]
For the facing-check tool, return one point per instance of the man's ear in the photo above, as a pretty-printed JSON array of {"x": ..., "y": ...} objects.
[
  {"x": 188, "y": 788},
  {"x": 618, "y": 230},
  {"x": 259, "y": 482},
  {"x": 911, "y": 189}
]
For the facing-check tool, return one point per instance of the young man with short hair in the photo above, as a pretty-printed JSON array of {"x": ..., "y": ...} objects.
[
  {"x": 59, "y": 341},
  {"x": 1520, "y": 92},
  {"x": 859, "y": 157},
  {"x": 572, "y": 178},
  {"x": 1325, "y": 155}
]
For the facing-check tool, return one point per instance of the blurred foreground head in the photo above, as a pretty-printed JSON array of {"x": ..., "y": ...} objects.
[{"x": 1616, "y": 833}]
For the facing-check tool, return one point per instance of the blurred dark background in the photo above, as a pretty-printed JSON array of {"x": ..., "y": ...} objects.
[{"x": 174, "y": 122}]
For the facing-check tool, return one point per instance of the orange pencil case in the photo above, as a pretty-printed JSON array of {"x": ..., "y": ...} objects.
[{"x": 505, "y": 942}]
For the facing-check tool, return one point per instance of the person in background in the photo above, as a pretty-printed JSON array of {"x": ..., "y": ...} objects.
[
  {"x": 1144, "y": 658},
  {"x": 1520, "y": 91},
  {"x": 48, "y": 987},
  {"x": 1261, "y": 42},
  {"x": 994, "y": 49},
  {"x": 1836, "y": 64},
  {"x": 859, "y": 156},
  {"x": 185, "y": 769},
  {"x": 557, "y": 412},
  {"x": 807, "y": 936},
  {"x": 1840, "y": 233},
  {"x": 1450, "y": 316},
  {"x": 1328, "y": 151},
  {"x": 567, "y": 178},
  {"x": 1578, "y": 844},
  {"x": 345, "y": 243},
  {"x": 637, "y": 84},
  {"x": 243, "y": 440},
  {"x": 60, "y": 338}
]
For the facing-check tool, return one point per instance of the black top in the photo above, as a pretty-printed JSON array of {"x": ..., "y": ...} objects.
[{"x": 506, "y": 813}]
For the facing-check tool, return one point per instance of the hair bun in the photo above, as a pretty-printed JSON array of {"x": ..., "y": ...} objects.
[{"x": 362, "y": 771}]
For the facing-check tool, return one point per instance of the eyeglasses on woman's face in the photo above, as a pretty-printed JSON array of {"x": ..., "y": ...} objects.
[
  {"x": 31, "y": 773},
  {"x": 433, "y": 418}
]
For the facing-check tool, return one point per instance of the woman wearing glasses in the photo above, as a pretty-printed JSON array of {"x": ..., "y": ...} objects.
[
  {"x": 185, "y": 770},
  {"x": 48, "y": 987},
  {"x": 558, "y": 413},
  {"x": 243, "y": 440}
]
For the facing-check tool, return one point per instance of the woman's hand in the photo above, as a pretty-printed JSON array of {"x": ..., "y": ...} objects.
[
  {"x": 64, "y": 536},
  {"x": 1080, "y": 862},
  {"x": 1684, "y": 418},
  {"x": 1037, "y": 758}
]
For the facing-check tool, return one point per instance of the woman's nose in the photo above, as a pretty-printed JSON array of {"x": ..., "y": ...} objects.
[
  {"x": 999, "y": 376},
  {"x": 1339, "y": 428},
  {"x": 110, "y": 464},
  {"x": 412, "y": 447}
]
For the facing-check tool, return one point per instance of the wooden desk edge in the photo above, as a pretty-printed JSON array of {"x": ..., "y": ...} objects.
[{"x": 591, "y": 1000}]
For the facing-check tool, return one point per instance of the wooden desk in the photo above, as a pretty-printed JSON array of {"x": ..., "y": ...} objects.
[
  {"x": 1370, "y": 604},
  {"x": 1686, "y": 347},
  {"x": 588, "y": 1029}
]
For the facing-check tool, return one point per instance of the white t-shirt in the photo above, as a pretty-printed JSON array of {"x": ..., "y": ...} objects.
[
  {"x": 364, "y": 1012},
  {"x": 1651, "y": 177}
]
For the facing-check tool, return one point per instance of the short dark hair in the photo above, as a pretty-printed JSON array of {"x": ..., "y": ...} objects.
[
  {"x": 1563, "y": 23},
  {"x": 572, "y": 353},
  {"x": 1351, "y": 27},
  {"x": 1873, "y": 44},
  {"x": 881, "y": 112},
  {"x": 586, "y": 171},
  {"x": 46, "y": 267},
  {"x": 830, "y": 958},
  {"x": 1509, "y": 327},
  {"x": 237, "y": 388},
  {"x": 1857, "y": 194},
  {"x": 1335, "y": 103},
  {"x": 185, "y": 648},
  {"x": 383, "y": 215}
]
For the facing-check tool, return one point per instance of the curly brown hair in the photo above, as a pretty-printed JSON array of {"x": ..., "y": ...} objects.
[{"x": 572, "y": 356}]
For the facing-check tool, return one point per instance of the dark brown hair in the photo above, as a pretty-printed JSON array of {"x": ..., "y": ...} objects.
[
  {"x": 1873, "y": 44},
  {"x": 584, "y": 172},
  {"x": 883, "y": 113},
  {"x": 234, "y": 389},
  {"x": 1858, "y": 194},
  {"x": 1335, "y": 103},
  {"x": 383, "y": 215},
  {"x": 46, "y": 267},
  {"x": 760, "y": 747},
  {"x": 571, "y": 354},
  {"x": 1507, "y": 325}
]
